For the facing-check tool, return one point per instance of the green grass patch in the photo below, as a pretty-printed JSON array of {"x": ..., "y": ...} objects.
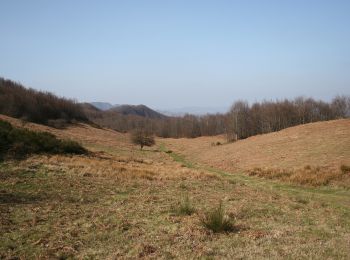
[{"x": 178, "y": 158}]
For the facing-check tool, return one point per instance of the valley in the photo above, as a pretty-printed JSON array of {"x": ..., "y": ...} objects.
[{"x": 121, "y": 202}]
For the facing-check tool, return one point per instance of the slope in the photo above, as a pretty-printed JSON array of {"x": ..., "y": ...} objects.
[{"x": 324, "y": 145}]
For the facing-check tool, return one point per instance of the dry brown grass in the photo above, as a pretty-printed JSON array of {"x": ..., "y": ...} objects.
[
  {"x": 322, "y": 144},
  {"x": 121, "y": 169},
  {"x": 308, "y": 175},
  {"x": 77, "y": 207}
]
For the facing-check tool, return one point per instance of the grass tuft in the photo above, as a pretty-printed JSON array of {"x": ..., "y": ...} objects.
[
  {"x": 185, "y": 207},
  {"x": 217, "y": 221}
]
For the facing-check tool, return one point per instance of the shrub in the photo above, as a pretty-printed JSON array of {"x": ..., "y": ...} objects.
[
  {"x": 142, "y": 138},
  {"x": 69, "y": 146},
  {"x": 217, "y": 221},
  {"x": 345, "y": 169},
  {"x": 307, "y": 167},
  {"x": 185, "y": 207},
  {"x": 18, "y": 143},
  {"x": 57, "y": 123}
]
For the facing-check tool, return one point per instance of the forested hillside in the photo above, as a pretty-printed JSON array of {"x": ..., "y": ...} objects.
[{"x": 37, "y": 106}]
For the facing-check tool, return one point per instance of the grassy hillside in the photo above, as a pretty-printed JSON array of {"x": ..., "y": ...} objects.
[
  {"x": 323, "y": 145},
  {"x": 121, "y": 202}
]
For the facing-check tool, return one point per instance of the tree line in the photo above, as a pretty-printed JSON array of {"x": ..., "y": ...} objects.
[
  {"x": 187, "y": 126},
  {"x": 241, "y": 121},
  {"x": 244, "y": 120}
]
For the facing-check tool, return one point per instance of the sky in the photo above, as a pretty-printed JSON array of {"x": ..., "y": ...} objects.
[{"x": 171, "y": 54}]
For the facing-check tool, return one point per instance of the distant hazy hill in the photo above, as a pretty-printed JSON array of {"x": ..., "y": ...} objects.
[
  {"x": 102, "y": 105},
  {"x": 139, "y": 110},
  {"x": 199, "y": 111}
]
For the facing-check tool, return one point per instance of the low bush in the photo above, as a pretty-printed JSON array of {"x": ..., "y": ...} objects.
[
  {"x": 57, "y": 123},
  {"x": 17, "y": 143},
  {"x": 217, "y": 221},
  {"x": 142, "y": 138},
  {"x": 345, "y": 169}
]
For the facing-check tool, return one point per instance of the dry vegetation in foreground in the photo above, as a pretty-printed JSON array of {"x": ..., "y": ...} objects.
[
  {"x": 90, "y": 207},
  {"x": 119, "y": 203}
]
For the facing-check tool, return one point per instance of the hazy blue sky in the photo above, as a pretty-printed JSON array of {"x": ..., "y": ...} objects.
[{"x": 177, "y": 53}]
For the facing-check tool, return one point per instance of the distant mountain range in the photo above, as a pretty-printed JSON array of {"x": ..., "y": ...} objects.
[{"x": 138, "y": 110}]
